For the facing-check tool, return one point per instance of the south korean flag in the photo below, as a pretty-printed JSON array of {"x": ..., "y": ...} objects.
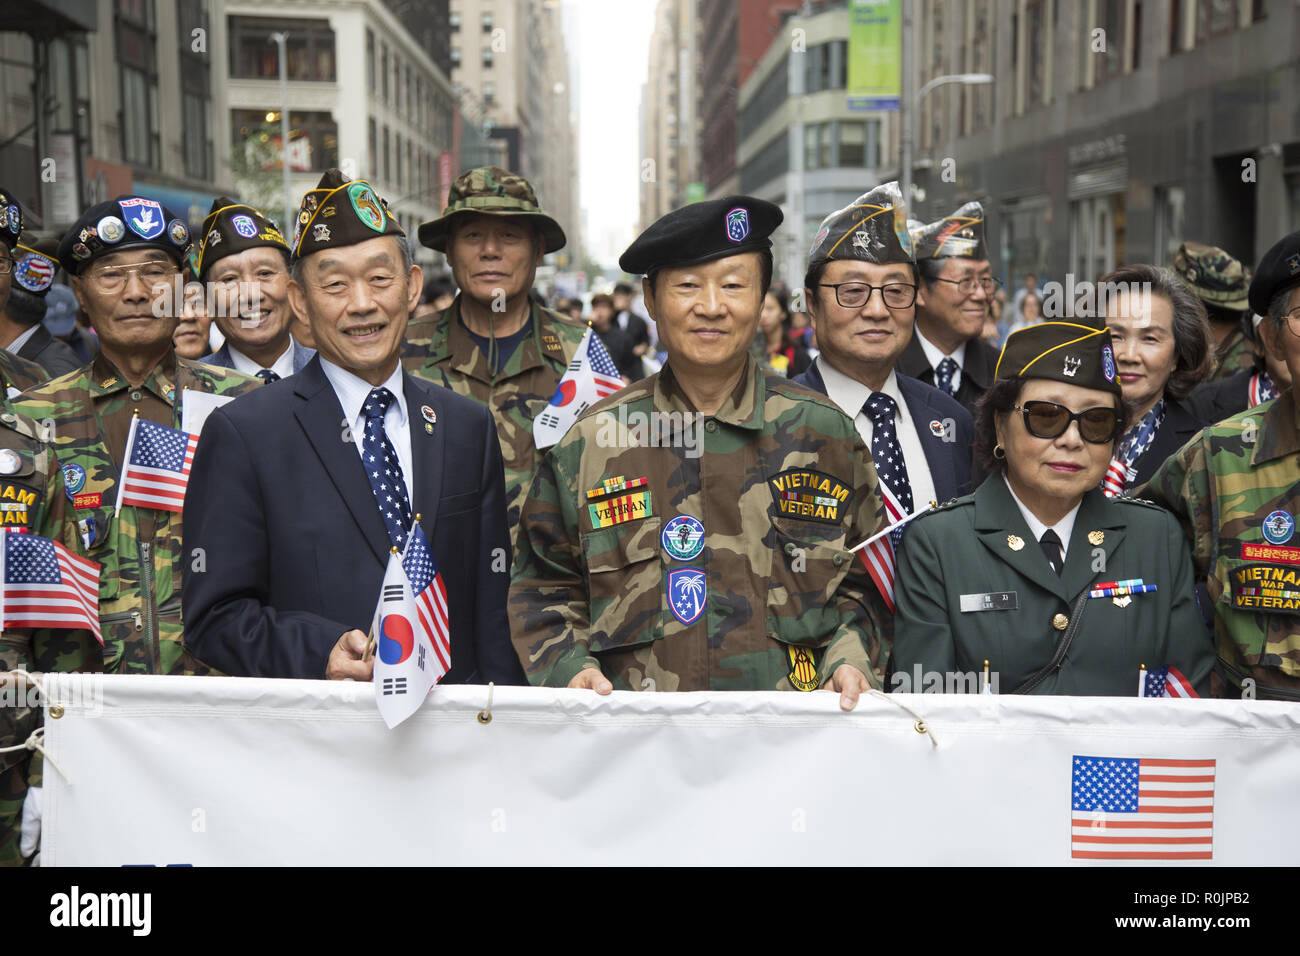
[{"x": 403, "y": 652}]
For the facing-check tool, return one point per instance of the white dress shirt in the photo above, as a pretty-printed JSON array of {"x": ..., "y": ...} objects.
[
  {"x": 352, "y": 393},
  {"x": 934, "y": 355},
  {"x": 1063, "y": 528},
  {"x": 13, "y": 347},
  {"x": 850, "y": 395},
  {"x": 283, "y": 366}
]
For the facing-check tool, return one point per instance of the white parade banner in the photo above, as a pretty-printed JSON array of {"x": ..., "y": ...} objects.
[{"x": 228, "y": 771}]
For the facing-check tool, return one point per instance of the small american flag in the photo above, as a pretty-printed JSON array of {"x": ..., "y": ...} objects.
[
  {"x": 158, "y": 461},
  {"x": 1131, "y": 808},
  {"x": 46, "y": 585},
  {"x": 603, "y": 369},
  {"x": 878, "y": 556},
  {"x": 430, "y": 599},
  {"x": 1167, "y": 682}
]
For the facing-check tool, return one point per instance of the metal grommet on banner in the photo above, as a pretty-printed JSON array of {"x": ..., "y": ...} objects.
[
  {"x": 920, "y": 727},
  {"x": 485, "y": 715},
  {"x": 919, "y": 724},
  {"x": 56, "y": 711}
]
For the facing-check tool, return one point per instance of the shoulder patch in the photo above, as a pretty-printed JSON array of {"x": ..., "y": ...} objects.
[{"x": 808, "y": 495}]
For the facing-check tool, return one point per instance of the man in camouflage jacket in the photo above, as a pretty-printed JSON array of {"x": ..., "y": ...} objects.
[
  {"x": 1234, "y": 488},
  {"x": 124, "y": 256},
  {"x": 495, "y": 343},
  {"x": 690, "y": 532}
]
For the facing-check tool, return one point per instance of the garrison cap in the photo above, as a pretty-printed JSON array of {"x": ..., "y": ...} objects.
[
  {"x": 11, "y": 218},
  {"x": 127, "y": 222},
  {"x": 35, "y": 263},
  {"x": 1063, "y": 352},
  {"x": 492, "y": 191},
  {"x": 872, "y": 228},
  {"x": 339, "y": 212},
  {"x": 702, "y": 232},
  {"x": 232, "y": 227},
  {"x": 960, "y": 235},
  {"x": 1277, "y": 271},
  {"x": 1216, "y": 277}
]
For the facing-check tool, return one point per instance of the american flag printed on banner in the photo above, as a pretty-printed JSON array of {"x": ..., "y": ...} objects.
[
  {"x": 430, "y": 600},
  {"x": 46, "y": 585},
  {"x": 158, "y": 461},
  {"x": 879, "y": 555},
  {"x": 590, "y": 377},
  {"x": 1167, "y": 682},
  {"x": 1142, "y": 808}
]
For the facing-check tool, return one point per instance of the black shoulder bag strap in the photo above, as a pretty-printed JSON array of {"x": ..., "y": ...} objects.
[{"x": 1076, "y": 615}]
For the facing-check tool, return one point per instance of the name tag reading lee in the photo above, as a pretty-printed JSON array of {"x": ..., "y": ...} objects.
[{"x": 993, "y": 601}]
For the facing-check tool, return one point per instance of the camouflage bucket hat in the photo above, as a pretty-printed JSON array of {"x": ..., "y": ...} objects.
[
  {"x": 1215, "y": 276},
  {"x": 492, "y": 191}
]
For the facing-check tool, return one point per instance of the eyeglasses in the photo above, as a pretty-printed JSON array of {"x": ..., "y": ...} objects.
[
  {"x": 1050, "y": 420},
  {"x": 1292, "y": 320},
  {"x": 967, "y": 285},
  {"x": 854, "y": 295},
  {"x": 111, "y": 279}
]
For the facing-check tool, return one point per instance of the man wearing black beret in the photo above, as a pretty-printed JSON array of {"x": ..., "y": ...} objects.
[
  {"x": 1234, "y": 489},
  {"x": 691, "y": 531}
]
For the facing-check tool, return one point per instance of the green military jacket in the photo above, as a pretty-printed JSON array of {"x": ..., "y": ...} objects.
[
  {"x": 974, "y": 585},
  {"x": 140, "y": 576},
  {"x": 1236, "y": 489},
  {"x": 1232, "y": 357},
  {"x": 515, "y": 395},
  {"x": 19, "y": 373},
  {"x": 704, "y": 557}
]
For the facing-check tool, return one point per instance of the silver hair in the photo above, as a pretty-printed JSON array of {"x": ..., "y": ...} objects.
[{"x": 1277, "y": 306}]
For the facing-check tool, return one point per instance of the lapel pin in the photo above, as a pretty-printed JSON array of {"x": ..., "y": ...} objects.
[
  {"x": 1096, "y": 537},
  {"x": 936, "y": 428},
  {"x": 1015, "y": 542},
  {"x": 429, "y": 418}
]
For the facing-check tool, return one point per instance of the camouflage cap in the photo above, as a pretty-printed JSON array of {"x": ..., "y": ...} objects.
[
  {"x": 492, "y": 191},
  {"x": 1215, "y": 276},
  {"x": 340, "y": 212},
  {"x": 872, "y": 228},
  {"x": 126, "y": 222},
  {"x": 960, "y": 235},
  {"x": 35, "y": 263},
  {"x": 231, "y": 227},
  {"x": 11, "y": 218},
  {"x": 1068, "y": 352}
]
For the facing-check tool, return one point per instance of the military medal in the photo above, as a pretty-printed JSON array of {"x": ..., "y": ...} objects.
[
  {"x": 1015, "y": 542},
  {"x": 1096, "y": 537}
]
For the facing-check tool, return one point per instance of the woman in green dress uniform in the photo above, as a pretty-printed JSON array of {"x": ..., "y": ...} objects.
[{"x": 1059, "y": 588}]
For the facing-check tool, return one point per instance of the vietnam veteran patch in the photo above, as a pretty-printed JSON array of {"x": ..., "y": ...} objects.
[
  {"x": 1265, "y": 587},
  {"x": 810, "y": 495},
  {"x": 803, "y": 668},
  {"x": 15, "y": 503},
  {"x": 614, "y": 511}
]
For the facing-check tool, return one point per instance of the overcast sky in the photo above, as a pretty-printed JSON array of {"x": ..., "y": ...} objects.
[{"x": 611, "y": 48}]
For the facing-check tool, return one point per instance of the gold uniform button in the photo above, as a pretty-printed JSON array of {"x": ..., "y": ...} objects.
[{"x": 1060, "y": 622}]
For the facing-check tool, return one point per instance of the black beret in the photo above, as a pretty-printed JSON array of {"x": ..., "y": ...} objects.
[
  {"x": 1063, "y": 352},
  {"x": 339, "y": 212},
  {"x": 35, "y": 264},
  {"x": 874, "y": 225},
  {"x": 702, "y": 232},
  {"x": 231, "y": 227},
  {"x": 11, "y": 219},
  {"x": 1277, "y": 271},
  {"x": 960, "y": 235},
  {"x": 126, "y": 222}
]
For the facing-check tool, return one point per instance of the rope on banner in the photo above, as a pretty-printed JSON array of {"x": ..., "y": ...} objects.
[
  {"x": 920, "y": 726},
  {"x": 33, "y": 741}
]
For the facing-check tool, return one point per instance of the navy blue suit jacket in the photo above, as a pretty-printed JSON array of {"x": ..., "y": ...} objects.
[
  {"x": 949, "y": 461},
  {"x": 301, "y": 356},
  {"x": 294, "y": 546}
]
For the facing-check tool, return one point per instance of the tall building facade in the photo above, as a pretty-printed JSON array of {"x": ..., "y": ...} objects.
[{"x": 669, "y": 113}]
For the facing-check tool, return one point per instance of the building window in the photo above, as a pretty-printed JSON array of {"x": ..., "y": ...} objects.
[
  {"x": 370, "y": 61},
  {"x": 387, "y": 158},
  {"x": 487, "y": 57},
  {"x": 383, "y": 70},
  {"x": 196, "y": 93},
  {"x": 373, "y": 141},
  {"x": 313, "y": 139},
  {"x": 1215, "y": 18},
  {"x": 138, "y": 79},
  {"x": 455, "y": 56},
  {"x": 309, "y": 51},
  {"x": 1036, "y": 56},
  {"x": 397, "y": 142},
  {"x": 1110, "y": 18},
  {"x": 487, "y": 21},
  {"x": 860, "y": 144},
  {"x": 453, "y": 21},
  {"x": 1170, "y": 202},
  {"x": 489, "y": 94}
]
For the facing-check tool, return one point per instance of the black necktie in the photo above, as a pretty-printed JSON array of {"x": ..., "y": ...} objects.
[
  {"x": 1051, "y": 546},
  {"x": 267, "y": 376}
]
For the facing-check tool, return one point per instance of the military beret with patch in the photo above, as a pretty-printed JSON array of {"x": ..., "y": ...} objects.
[
  {"x": 702, "y": 232},
  {"x": 1277, "y": 271},
  {"x": 11, "y": 219},
  {"x": 1215, "y": 276},
  {"x": 340, "y": 212},
  {"x": 35, "y": 264},
  {"x": 872, "y": 228},
  {"x": 1067, "y": 352},
  {"x": 231, "y": 227},
  {"x": 491, "y": 191},
  {"x": 960, "y": 235},
  {"x": 127, "y": 222}
]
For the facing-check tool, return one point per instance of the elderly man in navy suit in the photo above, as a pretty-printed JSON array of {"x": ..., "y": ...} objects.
[
  {"x": 297, "y": 498},
  {"x": 860, "y": 290},
  {"x": 241, "y": 250}
]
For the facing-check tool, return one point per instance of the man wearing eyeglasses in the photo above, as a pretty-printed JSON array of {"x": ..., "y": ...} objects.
[
  {"x": 123, "y": 257},
  {"x": 952, "y": 302},
  {"x": 1234, "y": 489},
  {"x": 860, "y": 289}
]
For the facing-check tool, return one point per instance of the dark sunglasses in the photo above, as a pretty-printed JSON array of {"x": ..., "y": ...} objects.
[{"x": 1050, "y": 420}]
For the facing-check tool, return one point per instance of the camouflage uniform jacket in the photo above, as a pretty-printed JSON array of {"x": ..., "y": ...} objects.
[
  {"x": 31, "y": 498},
  {"x": 768, "y": 599},
  {"x": 20, "y": 373},
  {"x": 515, "y": 395},
  {"x": 1234, "y": 489},
  {"x": 140, "y": 574},
  {"x": 1233, "y": 356}
]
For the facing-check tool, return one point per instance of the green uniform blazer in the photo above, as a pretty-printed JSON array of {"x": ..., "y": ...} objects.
[{"x": 962, "y": 549}]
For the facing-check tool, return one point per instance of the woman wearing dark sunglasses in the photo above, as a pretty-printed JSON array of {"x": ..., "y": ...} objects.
[{"x": 1059, "y": 588}]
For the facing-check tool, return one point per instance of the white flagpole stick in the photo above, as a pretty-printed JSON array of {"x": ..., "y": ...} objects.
[
  {"x": 126, "y": 460},
  {"x": 893, "y": 527},
  {"x": 1142, "y": 679}
]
